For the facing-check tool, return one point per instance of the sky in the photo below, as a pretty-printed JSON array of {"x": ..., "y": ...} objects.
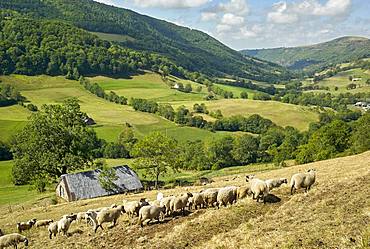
[{"x": 247, "y": 24}]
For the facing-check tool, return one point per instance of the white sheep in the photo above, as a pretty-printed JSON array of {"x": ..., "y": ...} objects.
[
  {"x": 259, "y": 188},
  {"x": 196, "y": 201},
  {"x": 110, "y": 215},
  {"x": 132, "y": 207},
  {"x": 210, "y": 196},
  {"x": 226, "y": 195},
  {"x": 166, "y": 202},
  {"x": 243, "y": 191},
  {"x": 12, "y": 239},
  {"x": 275, "y": 183},
  {"x": 53, "y": 229},
  {"x": 43, "y": 223},
  {"x": 302, "y": 180},
  {"x": 150, "y": 213},
  {"x": 65, "y": 223},
  {"x": 23, "y": 226},
  {"x": 180, "y": 202}
]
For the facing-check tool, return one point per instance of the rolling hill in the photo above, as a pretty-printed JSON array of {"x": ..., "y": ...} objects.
[
  {"x": 338, "y": 201},
  {"x": 191, "y": 49},
  {"x": 318, "y": 56}
]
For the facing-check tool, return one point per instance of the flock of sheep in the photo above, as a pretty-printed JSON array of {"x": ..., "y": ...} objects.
[{"x": 163, "y": 206}]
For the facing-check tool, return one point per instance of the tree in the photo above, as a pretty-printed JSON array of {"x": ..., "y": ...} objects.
[
  {"x": 156, "y": 153},
  {"x": 245, "y": 149},
  {"x": 193, "y": 156},
  {"x": 54, "y": 142},
  {"x": 5, "y": 153},
  {"x": 114, "y": 150},
  {"x": 244, "y": 95},
  {"x": 350, "y": 78},
  {"x": 107, "y": 177},
  {"x": 351, "y": 86},
  {"x": 360, "y": 138},
  {"x": 188, "y": 88},
  {"x": 368, "y": 81},
  {"x": 127, "y": 137},
  {"x": 199, "y": 89},
  {"x": 219, "y": 152}
]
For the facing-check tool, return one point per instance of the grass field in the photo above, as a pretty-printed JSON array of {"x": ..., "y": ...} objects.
[
  {"x": 341, "y": 81},
  {"x": 280, "y": 113},
  {"x": 148, "y": 86},
  {"x": 334, "y": 214},
  {"x": 109, "y": 116}
]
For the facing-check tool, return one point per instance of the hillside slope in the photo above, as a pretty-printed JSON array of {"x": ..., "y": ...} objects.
[
  {"x": 337, "y": 202},
  {"x": 316, "y": 56},
  {"x": 191, "y": 49}
]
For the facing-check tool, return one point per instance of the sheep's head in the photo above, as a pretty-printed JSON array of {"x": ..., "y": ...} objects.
[
  {"x": 121, "y": 208},
  {"x": 189, "y": 194},
  {"x": 284, "y": 180},
  {"x": 249, "y": 177},
  {"x": 26, "y": 242},
  {"x": 311, "y": 171},
  {"x": 72, "y": 217}
]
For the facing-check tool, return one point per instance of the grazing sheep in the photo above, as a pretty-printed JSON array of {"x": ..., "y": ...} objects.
[
  {"x": 43, "y": 223},
  {"x": 259, "y": 188},
  {"x": 53, "y": 229},
  {"x": 179, "y": 202},
  {"x": 65, "y": 223},
  {"x": 132, "y": 207},
  {"x": 111, "y": 215},
  {"x": 243, "y": 191},
  {"x": 303, "y": 180},
  {"x": 150, "y": 213},
  {"x": 166, "y": 202},
  {"x": 275, "y": 183},
  {"x": 23, "y": 226},
  {"x": 91, "y": 215},
  {"x": 155, "y": 203},
  {"x": 210, "y": 196},
  {"x": 12, "y": 240},
  {"x": 196, "y": 200},
  {"x": 226, "y": 195},
  {"x": 81, "y": 216}
]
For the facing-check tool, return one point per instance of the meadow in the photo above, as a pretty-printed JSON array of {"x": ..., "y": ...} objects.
[
  {"x": 337, "y": 202},
  {"x": 280, "y": 113}
]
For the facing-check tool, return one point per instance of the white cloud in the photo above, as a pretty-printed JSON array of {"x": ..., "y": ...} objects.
[
  {"x": 237, "y": 7},
  {"x": 279, "y": 15},
  {"x": 170, "y": 4},
  {"x": 290, "y": 13},
  {"x": 232, "y": 20},
  {"x": 208, "y": 16}
]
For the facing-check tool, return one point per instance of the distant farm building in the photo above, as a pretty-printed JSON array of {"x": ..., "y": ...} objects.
[
  {"x": 356, "y": 79},
  {"x": 176, "y": 86},
  {"x": 86, "y": 185},
  {"x": 89, "y": 121},
  {"x": 361, "y": 104}
]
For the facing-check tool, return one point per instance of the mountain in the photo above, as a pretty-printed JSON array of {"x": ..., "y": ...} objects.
[
  {"x": 318, "y": 56},
  {"x": 191, "y": 49}
]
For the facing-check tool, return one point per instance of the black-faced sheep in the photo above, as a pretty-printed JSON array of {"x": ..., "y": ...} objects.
[
  {"x": 150, "y": 213},
  {"x": 110, "y": 215},
  {"x": 302, "y": 180},
  {"x": 226, "y": 195},
  {"x": 180, "y": 202},
  {"x": 12, "y": 239},
  {"x": 23, "y": 226},
  {"x": 275, "y": 183},
  {"x": 259, "y": 188},
  {"x": 43, "y": 223}
]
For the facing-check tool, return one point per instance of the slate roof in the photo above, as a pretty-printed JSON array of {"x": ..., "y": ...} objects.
[{"x": 86, "y": 185}]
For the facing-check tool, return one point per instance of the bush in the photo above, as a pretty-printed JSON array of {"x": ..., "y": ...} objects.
[
  {"x": 261, "y": 96},
  {"x": 113, "y": 150},
  {"x": 32, "y": 108},
  {"x": 244, "y": 95}
]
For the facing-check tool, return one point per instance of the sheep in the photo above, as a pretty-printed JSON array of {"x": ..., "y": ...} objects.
[
  {"x": 259, "y": 188},
  {"x": 150, "y": 213},
  {"x": 53, "y": 229},
  {"x": 81, "y": 216},
  {"x": 43, "y": 223},
  {"x": 12, "y": 240},
  {"x": 111, "y": 215},
  {"x": 132, "y": 207},
  {"x": 23, "y": 226},
  {"x": 179, "y": 202},
  {"x": 65, "y": 223},
  {"x": 226, "y": 195},
  {"x": 166, "y": 202},
  {"x": 196, "y": 200},
  {"x": 243, "y": 191},
  {"x": 275, "y": 183},
  {"x": 210, "y": 196},
  {"x": 91, "y": 215},
  {"x": 302, "y": 180}
]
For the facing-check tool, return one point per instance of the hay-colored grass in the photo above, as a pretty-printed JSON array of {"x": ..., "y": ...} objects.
[{"x": 334, "y": 214}]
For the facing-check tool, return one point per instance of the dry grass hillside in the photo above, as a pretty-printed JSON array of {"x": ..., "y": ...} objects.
[{"x": 334, "y": 214}]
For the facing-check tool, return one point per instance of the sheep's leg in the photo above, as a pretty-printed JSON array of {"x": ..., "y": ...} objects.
[{"x": 292, "y": 190}]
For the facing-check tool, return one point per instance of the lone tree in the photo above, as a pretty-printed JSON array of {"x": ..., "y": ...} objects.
[
  {"x": 156, "y": 153},
  {"x": 55, "y": 141}
]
